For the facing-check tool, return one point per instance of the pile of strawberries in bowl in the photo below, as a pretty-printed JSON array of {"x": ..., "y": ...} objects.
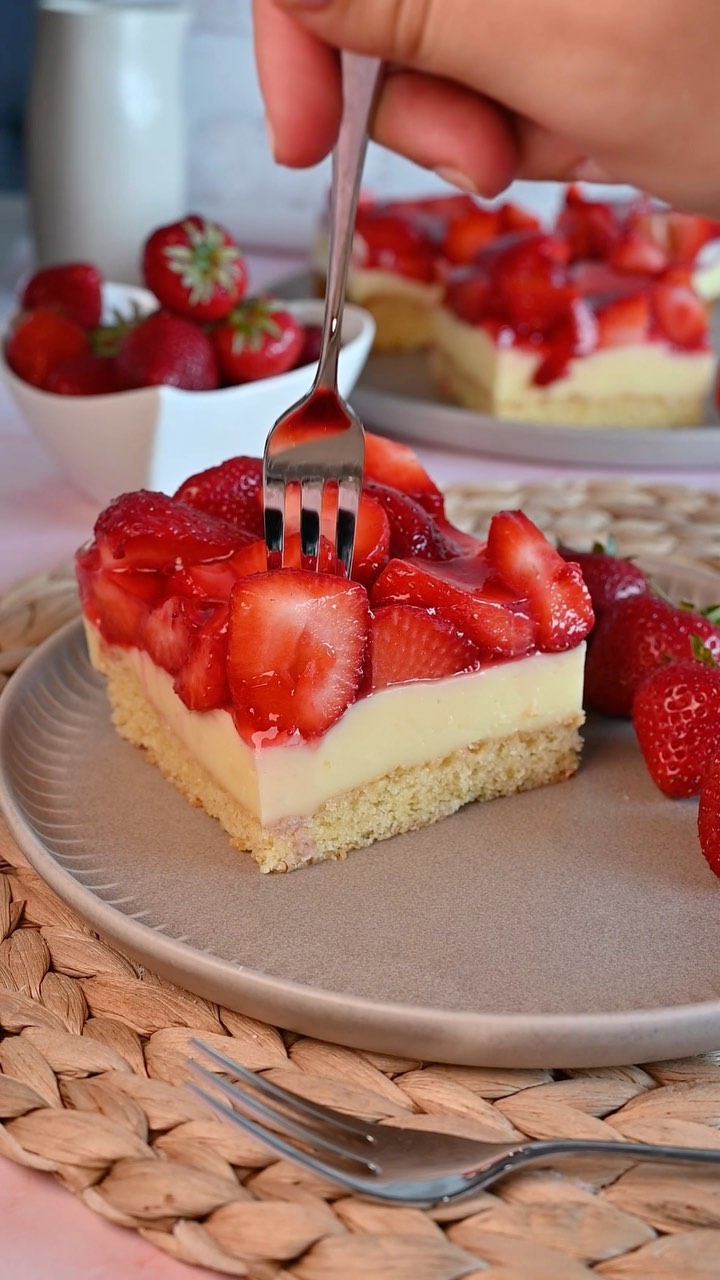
[
  {"x": 658, "y": 663},
  {"x": 201, "y": 333},
  {"x": 135, "y": 388}
]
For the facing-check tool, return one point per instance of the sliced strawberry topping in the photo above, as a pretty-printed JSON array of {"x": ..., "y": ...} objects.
[
  {"x": 525, "y": 560},
  {"x": 409, "y": 643},
  {"x": 465, "y": 593},
  {"x": 169, "y": 630},
  {"x": 413, "y": 532},
  {"x": 372, "y": 542},
  {"x": 151, "y": 531},
  {"x": 389, "y": 242},
  {"x": 123, "y": 601},
  {"x": 231, "y": 491},
  {"x": 467, "y": 235},
  {"x": 622, "y": 321},
  {"x": 297, "y": 649},
  {"x": 638, "y": 254},
  {"x": 590, "y": 227},
  {"x": 202, "y": 681},
  {"x": 680, "y": 314},
  {"x": 688, "y": 232},
  {"x": 471, "y": 296},
  {"x": 513, "y": 218},
  {"x": 398, "y": 466}
]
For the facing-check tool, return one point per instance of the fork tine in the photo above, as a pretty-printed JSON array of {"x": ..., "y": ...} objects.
[
  {"x": 315, "y": 1109},
  {"x": 274, "y": 505},
  {"x": 286, "y": 1123},
  {"x": 281, "y": 1145},
  {"x": 348, "y": 500},
  {"x": 311, "y": 502}
]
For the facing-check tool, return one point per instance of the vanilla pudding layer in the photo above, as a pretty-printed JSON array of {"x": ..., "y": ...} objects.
[
  {"x": 643, "y": 384},
  {"x": 397, "y": 760}
]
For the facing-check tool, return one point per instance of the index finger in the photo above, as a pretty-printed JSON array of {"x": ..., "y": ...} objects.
[{"x": 300, "y": 82}]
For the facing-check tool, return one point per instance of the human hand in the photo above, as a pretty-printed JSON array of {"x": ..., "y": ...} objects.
[{"x": 483, "y": 91}]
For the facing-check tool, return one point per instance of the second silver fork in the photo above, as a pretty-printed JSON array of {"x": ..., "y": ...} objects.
[{"x": 316, "y": 449}]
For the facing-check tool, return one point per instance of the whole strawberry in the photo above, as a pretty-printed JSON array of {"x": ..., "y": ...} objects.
[
  {"x": 607, "y": 577},
  {"x": 40, "y": 341},
  {"x": 72, "y": 288},
  {"x": 165, "y": 349},
  {"x": 634, "y": 637},
  {"x": 676, "y": 714},
  {"x": 195, "y": 268},
  {"x": 259, "y": 339},
  {"x": 709, "y": 815},
  {"x": 85, "y": 375},
  {"x": 231, "y": 491}
]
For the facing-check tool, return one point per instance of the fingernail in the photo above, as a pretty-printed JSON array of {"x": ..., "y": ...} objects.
[
  {"x": 457, "y": 179},
  {"x": 589, "y": 171}
]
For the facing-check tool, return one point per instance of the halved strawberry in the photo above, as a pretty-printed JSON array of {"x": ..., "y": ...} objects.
[
  {"x": 622, "y": 321},
  {"x": 123, "y": 601},
  {"x": 528, "y": 271},
  {"x": 393, "y": 243},
  {"x": 408, "y": 643},
  {"x": 590, "y": 227},
  {"x": 638, "y": 254},
  {"x": 680, "y": 314},
  {"x": 471, "y": 295},
  {"x": 397, "y": 465},
  {"x": 513, "y": 218},
  {"x": 413, "y": 531},
  {"x": 524, "y": 559},
  {"x": 464, "y": 592},
  {"x": 169, "y": 630},
  {"x": 372, "y": 543},
  {"x": 231, "y": 491},
  {"x": 297, "y": 649},
  {"x": 148, "y": 530},
  {"x": 467, "y": 235},
  {"x": 202, "y": 681},
  {"x": 607, "y": 576},
  {"x": 688, "y": 232}
]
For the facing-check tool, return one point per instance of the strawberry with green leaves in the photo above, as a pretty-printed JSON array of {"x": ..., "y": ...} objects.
[
  {"x": 195, "y": 268},
  {"x": 676, "y": 714},
  {"x": 259, "y": 339}
]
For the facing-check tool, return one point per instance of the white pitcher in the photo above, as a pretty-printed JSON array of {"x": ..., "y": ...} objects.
[{"x": 106, "y": 133}]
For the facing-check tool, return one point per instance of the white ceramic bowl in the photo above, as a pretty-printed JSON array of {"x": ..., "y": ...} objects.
[{"x": 155, "y": 437}]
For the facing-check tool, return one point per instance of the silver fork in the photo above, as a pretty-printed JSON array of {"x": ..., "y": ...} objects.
[
  {"x": 334, "y": 457},
  {"x": 400, "y": 1166}
]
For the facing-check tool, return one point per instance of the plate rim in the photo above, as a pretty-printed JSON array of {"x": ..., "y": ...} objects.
[{"x": 411, "y": 1023}]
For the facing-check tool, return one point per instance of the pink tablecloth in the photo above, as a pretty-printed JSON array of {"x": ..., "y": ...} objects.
[{"x": 45, "y": 1233}]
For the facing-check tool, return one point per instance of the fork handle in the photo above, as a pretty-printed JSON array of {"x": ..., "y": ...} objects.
[
  {"x": 620, "y": 1150},
  {"x": 360, "y": 81}
]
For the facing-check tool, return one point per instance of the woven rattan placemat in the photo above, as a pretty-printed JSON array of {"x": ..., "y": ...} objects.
[{"x": 92, "y": 1054}]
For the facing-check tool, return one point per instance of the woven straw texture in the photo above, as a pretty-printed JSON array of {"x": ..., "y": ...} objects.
[{"x": 93, "y": 1053}]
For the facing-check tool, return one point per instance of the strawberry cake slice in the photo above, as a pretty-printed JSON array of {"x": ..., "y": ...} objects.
[
  {"x": 601, "y": 323},
  {"x": 400, "y": 252},
  {"x": 312, "y": 714}
]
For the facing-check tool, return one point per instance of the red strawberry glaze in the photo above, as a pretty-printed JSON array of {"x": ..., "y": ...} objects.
[
  {"x": 523, "y": 290},
  {"x": 288, "y": 650}
]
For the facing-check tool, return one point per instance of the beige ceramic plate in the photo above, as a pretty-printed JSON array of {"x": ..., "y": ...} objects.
[{"x": 574, "y": 926}]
